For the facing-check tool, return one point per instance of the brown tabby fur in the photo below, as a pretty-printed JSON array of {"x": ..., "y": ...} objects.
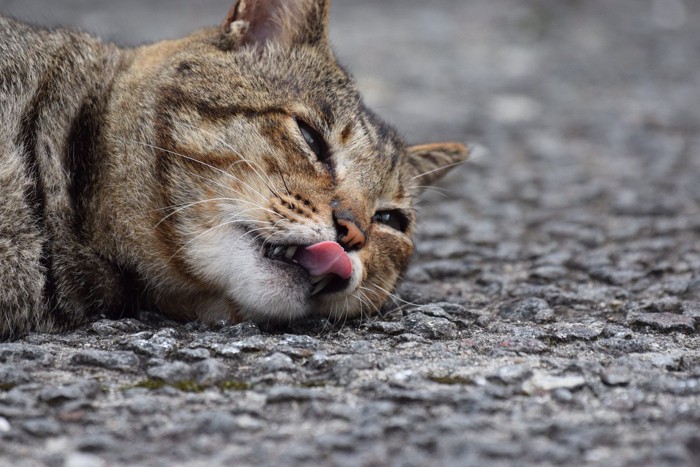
[{"x": 156, "y": 177}]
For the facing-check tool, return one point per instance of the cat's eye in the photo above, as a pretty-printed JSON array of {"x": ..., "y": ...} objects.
[
  {"x": 395, "y": 219},
  {"x": 314, "y": 140}
]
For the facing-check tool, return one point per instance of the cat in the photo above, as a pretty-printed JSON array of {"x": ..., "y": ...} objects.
[{"x": 234, "y": 174}]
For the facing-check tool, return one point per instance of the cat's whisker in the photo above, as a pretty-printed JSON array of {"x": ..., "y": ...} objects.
[
  {"x": 248, "y": 232},
  {"x": 216, "y": 169},
  {"x": 197, "y": 203},
  {"x": 279, "y": 169},
  {"x": 394, "y": 298},
  {"x": 222, "y": 224},
  {"x": 439, "y": 191},
  {"x": 476, "y": 152},
  {"x": 247, "y": 199},
  {"x": 237, "y": 153}
]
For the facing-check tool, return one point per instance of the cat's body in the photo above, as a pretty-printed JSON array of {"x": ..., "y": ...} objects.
[{"x": 233, "y": 174}]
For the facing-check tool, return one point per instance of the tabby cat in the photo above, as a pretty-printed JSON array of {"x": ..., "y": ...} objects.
[{"x": 233, "y": 174}]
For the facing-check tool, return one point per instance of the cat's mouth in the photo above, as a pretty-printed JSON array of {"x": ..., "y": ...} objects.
[{"x": 325, "y": 264}]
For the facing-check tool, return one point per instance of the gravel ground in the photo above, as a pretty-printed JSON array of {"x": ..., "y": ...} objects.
[{"x": 550, "y": 317}]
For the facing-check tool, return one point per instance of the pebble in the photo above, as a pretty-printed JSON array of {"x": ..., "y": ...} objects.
[
  {"x": 529, "y": 309},
  {"x": 11, "y": 375},
  {"x": 81, "y": 390},
  {"x": 17, "y": 352},
  {"x": 390, "y": 328},
  {"x": 237, "y": 331},
  {"x": 691, "y": 310},
  {"x": 209, "y": 371},
  {"x": 42, "y": 428},
  {"x": 511, "y": 374},
  {"x": 81, "y": 459},
  {"x": 544, "y": 382},
  {"x": 219, "y": 422},
  {"x": 430, "y": 327},
  {"x": 119, "y": 360},
  {"x": 159, "y": 345},
  {"x": 172, "y": 372},
  {"x": 192, "y": 355},
  {"x": 666, "y": 322},
  {"x": 617, "y": 376},
  {"x": 278, "y": 362}
]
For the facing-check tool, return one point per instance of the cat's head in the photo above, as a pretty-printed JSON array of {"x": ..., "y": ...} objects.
[{"x": 281, "y": 190}]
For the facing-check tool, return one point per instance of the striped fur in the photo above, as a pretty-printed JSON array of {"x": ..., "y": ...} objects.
[{"x": 158, "y": 177}]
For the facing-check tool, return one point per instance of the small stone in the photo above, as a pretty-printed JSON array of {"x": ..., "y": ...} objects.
[
  {"x": 617, "y": 376},
  {"x": 624, "y": 345},
  {"x": 42, "y": 428},
  {"x": 193, "y": 354},
  {"x": 4, "y": 425},
  {"x": 664, "y": 305},
  {"x": 693, "y": 290},
  {"x": 562, "y": 395},
  {"x": 114, "y": 360},
  {"x": 390, "y": 328},
  {"x": 300, "y": 341},
  {"x": 77, "y": 391},
  {"x": 361, "y": 346},
  {"x": 109, "y": 328},
  {"x": 549, "y": 273},
  {"x": 80, "y": 459},
  {"x": 17, "y": 352},
  {"x": 10, "y": 375},
  {"x": 511, "y": 374},
  {"x": 430, "y": 327},
  {"x": 523, "y": 345},
  {"x": 209, "y": 371},
  {"x": 448, "y": 269},
  {"x": 434, "y": 310},
  {"x": 691, "y": 310},
  {"x": 219, "y": 423},
  {"x": 159, "y": 345},
  {"x": 252, "y": 344},
  {"x": 567, "y": 332},
  {"x": 319, "y": 360},
  {"x": 665, "y": 322},
  {"x": 278, "y": 362},
  {"x": 529, "y": 309},
  {"x": 144, "y": 405},
  {"x": 172, "y": 372},
  {"x": 226, "y": 350},
  {"x": 244, "y": 329},
  {"x": 287, "y": 394},
  {"x": 96, "y": 443},
  {"x": 458, "y": 311},
  {"x": 543, "y": 382}
]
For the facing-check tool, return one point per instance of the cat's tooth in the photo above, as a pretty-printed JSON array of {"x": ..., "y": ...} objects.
[
  {"x": 317, "y": 279},
  {"x": 322, "y": 285},
  {"x": 278, "y": 251},
  {"x": 291, "y": 251}
]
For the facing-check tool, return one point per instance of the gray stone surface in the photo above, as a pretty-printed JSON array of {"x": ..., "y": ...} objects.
[{"x": 549, "y": 318}]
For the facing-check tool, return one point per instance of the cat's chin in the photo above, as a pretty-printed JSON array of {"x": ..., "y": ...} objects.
[
  {"x": 270, "y": 290},
  {"x": 266, "y": 284},
  {"x": 285, "y": 291}
]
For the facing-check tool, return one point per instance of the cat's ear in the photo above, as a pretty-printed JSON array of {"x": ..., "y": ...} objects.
[
  {"x": 430, "y": 162},
  {"x": 284, "y": 22}
]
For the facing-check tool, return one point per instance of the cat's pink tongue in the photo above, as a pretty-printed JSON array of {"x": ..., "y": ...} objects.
[{"x": 324, "y": 258}]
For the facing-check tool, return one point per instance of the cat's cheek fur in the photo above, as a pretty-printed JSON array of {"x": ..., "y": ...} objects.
[{"x": 256, "y": 288}]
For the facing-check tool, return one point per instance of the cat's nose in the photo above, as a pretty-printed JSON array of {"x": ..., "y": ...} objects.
[{"x": 350, "y": 236}]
